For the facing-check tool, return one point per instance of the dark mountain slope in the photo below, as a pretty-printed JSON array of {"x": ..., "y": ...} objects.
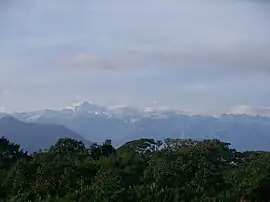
[{"x": 33, "y": 136}]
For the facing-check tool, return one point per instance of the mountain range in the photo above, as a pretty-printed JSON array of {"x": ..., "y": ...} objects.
[{"x": 123, "y": 123}]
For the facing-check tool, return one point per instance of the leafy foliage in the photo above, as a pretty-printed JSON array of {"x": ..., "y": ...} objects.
[{"x": 141, "y": 170}]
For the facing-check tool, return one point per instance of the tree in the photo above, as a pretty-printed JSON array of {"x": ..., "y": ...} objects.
[{"x": 141, "y": 170}]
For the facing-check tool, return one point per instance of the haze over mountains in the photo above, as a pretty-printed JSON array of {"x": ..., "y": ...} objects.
[{"x": 122, "y": 123}]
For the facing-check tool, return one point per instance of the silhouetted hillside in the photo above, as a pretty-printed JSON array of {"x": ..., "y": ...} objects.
[{"x": 33, "y": 136}]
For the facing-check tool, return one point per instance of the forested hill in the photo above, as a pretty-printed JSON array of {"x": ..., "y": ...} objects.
[{"x": 142, "y": 170}]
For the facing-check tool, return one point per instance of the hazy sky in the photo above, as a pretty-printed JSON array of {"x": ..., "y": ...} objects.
[{"x": 193, "y": 55}]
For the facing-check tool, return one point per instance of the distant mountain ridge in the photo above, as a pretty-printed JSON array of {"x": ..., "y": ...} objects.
[
  {"x": 252, "y": 111},
  {"x": 35, "y": 136},
  {"x": 124, "y": 123},
  {"x": 89, "y": 109}
]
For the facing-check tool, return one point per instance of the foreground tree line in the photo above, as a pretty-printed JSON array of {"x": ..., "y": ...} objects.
[{"x": 143, "y": 170}]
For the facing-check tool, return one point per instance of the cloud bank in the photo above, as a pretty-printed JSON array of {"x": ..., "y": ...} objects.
[
  {"x": 187, "y": 54},
  {"x": 208, "y": 35},
  {"x": 241, "y": 59}
]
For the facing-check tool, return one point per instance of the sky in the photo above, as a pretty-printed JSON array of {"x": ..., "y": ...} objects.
[{"x": 203, "y": 56}]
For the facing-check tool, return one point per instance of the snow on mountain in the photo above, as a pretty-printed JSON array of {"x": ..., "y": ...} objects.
[
  {"x": 123, "y": 111},
  {"x": 243, "y": 127},
  {"x": 85, "y": 108},
  {"x": 162, "y": 112},
  {"x": 251, "y": 111},
  {"x": 89, "y": 109}
]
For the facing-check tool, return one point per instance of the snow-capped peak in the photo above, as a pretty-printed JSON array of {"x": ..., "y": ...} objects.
[
  {"x": 80, "y": 105},
  {"x": 156, "y": 109},
  {"x": 117, "y": 107}
]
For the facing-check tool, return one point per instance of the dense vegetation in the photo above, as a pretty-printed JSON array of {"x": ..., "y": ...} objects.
[{"x": 141, "y": 170}]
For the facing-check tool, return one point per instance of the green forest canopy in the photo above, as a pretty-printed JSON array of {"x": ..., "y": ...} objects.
[{"x": 141, "y": 170}]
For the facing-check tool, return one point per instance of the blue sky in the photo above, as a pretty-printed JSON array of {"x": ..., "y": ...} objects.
[{"x": 193, "y": 55}]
